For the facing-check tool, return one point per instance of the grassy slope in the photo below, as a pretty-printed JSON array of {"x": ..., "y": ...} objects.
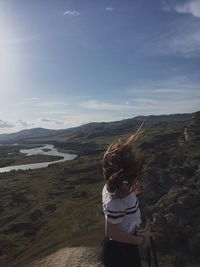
[
  {"x": 20, "y": 160},
  {"x": 69, "y": 201}
]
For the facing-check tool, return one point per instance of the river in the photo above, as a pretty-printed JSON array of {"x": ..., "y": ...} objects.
[{"x": 49, "y": 150}]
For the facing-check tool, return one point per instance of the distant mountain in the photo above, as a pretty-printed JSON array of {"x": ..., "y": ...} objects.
[
  {"x": 26, "y": 134},
  {"x": 91, "y": 130}
]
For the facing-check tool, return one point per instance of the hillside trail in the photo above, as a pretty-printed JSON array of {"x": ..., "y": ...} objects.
[{"x": 70, "y": 257}]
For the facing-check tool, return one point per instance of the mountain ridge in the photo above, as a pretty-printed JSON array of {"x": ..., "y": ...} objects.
[{"x": 39, "y": 132}]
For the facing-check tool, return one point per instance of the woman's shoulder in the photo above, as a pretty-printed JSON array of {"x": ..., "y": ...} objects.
[
  {"x": 115, "y": 204},
  {"x": 130, "y": 200},
  {"x": 131, "y": 196}
]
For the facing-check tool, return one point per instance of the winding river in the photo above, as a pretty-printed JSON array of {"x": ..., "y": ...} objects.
[{"x": 49, "y": 150}]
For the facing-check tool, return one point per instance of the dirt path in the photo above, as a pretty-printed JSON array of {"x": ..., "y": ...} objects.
[{"x": 70, "y": 257}]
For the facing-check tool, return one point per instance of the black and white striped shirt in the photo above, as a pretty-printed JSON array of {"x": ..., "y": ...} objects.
[{"x": 123, "y": 211}]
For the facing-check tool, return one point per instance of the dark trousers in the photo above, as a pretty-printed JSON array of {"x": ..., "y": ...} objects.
[{"x": 117, "y": 254}]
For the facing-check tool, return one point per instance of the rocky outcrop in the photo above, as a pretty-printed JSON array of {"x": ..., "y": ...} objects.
[
  {"x": 176, "y": 222},
  {"x": 192, "y": 131},
  {"x": 171, "y": 197}
]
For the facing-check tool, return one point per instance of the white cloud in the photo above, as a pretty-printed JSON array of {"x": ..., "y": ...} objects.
[
  {"x": 175, "y": 90},
  {"x": 74, "y": 120},
  {"x": 11, "y": 126},
  {"x": 35, "y": 103},
  {"x": 71, "y": 13},
  {"x": 5, "y": 124},
  {"x": 28, "y": 101},
  {"x": 109, "y": 9},
  {"x": 80, "y": 97},
  {"x": 152, "y": 98},
  {"x": 162, "y": 99},
  {"x": 147, "y": 102},
  {"x": 54, "y": 112},
  {"x": 23, "y": 123},
  {"x": 181, "y": 39},
  {"x": 186, "y": 43},
  {"x": 192, "y": 7},
  {"x": 18, "y": 125},
  {"x": 175, "y": 95},
  {"x": 183, "y": 35},
  {"x": 94, "y": 104},
  {"x": 51, "y": 121}
]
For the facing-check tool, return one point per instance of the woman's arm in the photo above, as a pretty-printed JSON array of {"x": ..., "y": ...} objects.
[{"x": 114, "y": 232}]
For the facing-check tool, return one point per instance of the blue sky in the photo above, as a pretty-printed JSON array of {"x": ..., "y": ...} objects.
[{"x": 66, "y": 63}]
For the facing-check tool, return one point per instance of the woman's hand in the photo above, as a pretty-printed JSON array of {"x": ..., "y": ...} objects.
[
  {"x": 137, "y": 187},
  {"x": 146, "y": 239}
]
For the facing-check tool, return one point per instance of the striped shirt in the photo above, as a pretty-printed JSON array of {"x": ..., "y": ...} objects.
[{"x": 123, "y": 211}]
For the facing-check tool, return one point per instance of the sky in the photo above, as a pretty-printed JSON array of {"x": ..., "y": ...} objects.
[{"x": 64, "y": 63}]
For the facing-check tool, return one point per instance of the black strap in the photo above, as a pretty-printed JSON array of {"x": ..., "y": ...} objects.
[
  {"x": 153, "y": 249},
  {"x": 149, "y": 257}
]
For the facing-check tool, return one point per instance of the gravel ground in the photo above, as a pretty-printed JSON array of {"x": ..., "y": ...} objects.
[{"x": 70, "y": 257}]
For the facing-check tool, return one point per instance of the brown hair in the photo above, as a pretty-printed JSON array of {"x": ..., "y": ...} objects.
[{"x": 121, "y": 166}]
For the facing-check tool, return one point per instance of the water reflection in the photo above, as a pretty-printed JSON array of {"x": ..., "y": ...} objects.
[{"x": 49, "y": 150}]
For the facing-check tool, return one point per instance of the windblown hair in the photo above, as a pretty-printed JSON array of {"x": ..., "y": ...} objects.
[{"x": 121, "y": 166}]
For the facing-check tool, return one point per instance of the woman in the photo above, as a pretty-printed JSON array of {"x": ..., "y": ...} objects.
[{"x": 121, "y": 207}]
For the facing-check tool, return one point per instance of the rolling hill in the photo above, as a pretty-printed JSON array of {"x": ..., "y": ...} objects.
[{"x": 88, "y": 130}]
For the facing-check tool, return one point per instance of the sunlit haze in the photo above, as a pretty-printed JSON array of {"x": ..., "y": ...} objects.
[{"x": 67, "y": 63}]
